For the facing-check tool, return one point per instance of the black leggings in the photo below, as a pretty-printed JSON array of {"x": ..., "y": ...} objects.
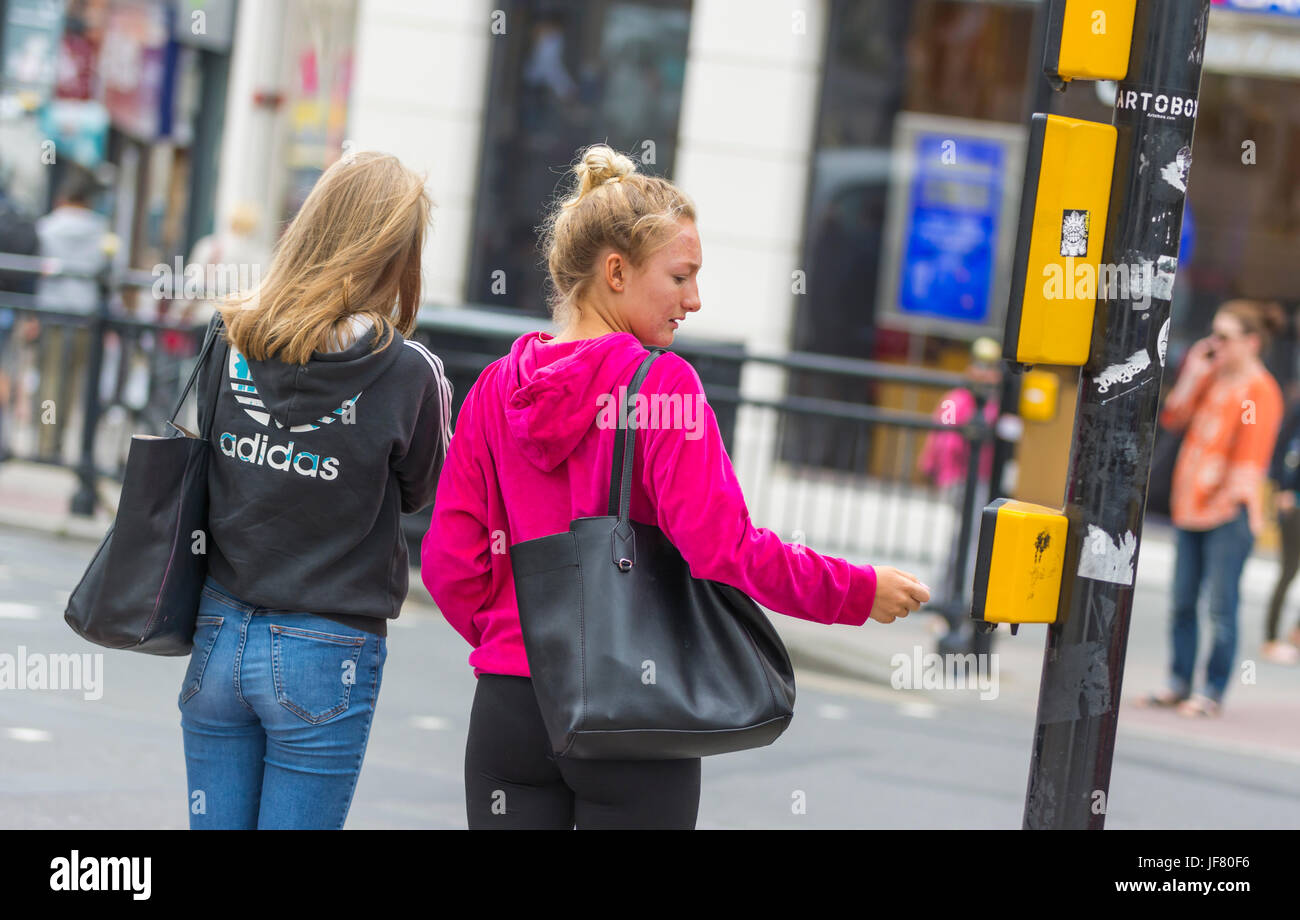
[
  {"x": 512, "y": 781},
  {"x": 1289, "y": 524}
]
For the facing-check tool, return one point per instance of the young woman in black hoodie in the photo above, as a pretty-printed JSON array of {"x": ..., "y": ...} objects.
[{"x": 329, "y": 424}]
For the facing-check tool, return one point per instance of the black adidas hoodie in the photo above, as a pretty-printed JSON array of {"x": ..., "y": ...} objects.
[{"x": 312, "y": 467}]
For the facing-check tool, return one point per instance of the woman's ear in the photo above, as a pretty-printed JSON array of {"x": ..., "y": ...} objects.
[{"x": 615, "y": 267}]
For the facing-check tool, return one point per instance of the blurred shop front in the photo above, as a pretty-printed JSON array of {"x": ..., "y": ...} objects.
[
  {"x": 137, "y": 96},
  {"x": 917, "y": 171}
]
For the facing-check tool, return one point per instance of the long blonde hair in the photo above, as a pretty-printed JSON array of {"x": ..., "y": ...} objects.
[
  {"x": 352, "y": 250},
  {"x": 610, "y": 205}
]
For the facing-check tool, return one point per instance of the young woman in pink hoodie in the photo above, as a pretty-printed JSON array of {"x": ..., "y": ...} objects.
[{"x": 528, "y": 456}]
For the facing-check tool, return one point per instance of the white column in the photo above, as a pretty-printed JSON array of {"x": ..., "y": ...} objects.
[
  {"x": 250, "y": 138},
  {"x": 753, "y": 76},
  {"x": 419, "y": 92}
]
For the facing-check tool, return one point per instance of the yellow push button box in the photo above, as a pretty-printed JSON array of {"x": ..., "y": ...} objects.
[
  {"x": 1055, "y": 280},
  {"x": 1039, "y": 393},
  {"x": 1019, "y": 562},
  {"x": 1088, "y": 40}
]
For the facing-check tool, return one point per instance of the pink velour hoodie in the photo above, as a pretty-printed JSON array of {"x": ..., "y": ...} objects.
[{"x": 532, "y": 450}]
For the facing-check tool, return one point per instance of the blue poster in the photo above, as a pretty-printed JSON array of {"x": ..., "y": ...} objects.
[{"x": 951, "y": 229}]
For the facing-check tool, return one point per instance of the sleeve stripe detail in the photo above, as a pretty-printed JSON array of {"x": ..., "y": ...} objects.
[{"x": 444, "y": 391}]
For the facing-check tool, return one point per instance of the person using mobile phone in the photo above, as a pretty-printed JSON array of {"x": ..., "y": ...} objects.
[{"x": 1231, "y": 408}]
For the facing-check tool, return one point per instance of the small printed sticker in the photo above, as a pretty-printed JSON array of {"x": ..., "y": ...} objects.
[
  {"x": 1162, "y": 346},
  {"x": 1074, "y": 233},
  {"x": 1123, "y": 373}
]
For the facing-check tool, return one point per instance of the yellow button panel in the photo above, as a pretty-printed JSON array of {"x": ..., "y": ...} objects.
[
  {"x": 1056, "y": 278},
  {"x": 1088, "y": 39},
  {"x": 1019, "y": 563},
  {"x": 1040, "y": 392}
]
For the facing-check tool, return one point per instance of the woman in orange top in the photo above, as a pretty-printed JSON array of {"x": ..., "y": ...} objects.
[{"x": 1231, "y": 408}]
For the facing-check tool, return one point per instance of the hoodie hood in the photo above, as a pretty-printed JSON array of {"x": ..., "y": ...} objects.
[
  {"x": 551, "y": 392},
  {"x": 302, "y": 394}
]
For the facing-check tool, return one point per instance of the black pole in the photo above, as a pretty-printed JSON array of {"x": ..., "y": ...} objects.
[
  {"x": 1114, "y": 430},
  {"x": 84, "y": 499},
  {"x": 1038, "y": 98}
]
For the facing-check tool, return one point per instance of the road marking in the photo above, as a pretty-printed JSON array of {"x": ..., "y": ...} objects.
[
  {"x": 919, "y": 710},
  {"x": 11, "y": 611},
  {"x": 846, "y": 686},
  {"x": 27, "y": 734},
  {"x": 431, "y": 723},
  {"x": 832, "y": 711}
]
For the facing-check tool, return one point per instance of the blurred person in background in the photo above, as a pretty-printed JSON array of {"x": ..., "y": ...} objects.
[
  {"x": 233, "y": 255},
  {"x": 77, "y": 237},
  {"x": 944, "y": 453},
  {"x": 17, "y": 237},
  {"x": 943, "y": 460},
  {"x": 1285, "y": 476},
  {"x": 1231, "y": 408}
]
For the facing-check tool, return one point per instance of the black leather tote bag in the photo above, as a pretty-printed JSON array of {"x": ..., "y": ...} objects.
[
  {"x": 631, "y": 657},
  {"x": 141, "y": 590}
]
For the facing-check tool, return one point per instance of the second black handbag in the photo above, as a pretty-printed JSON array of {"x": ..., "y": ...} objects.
[
  {"x": 633, "y": 658},
  {"x": 141, "y": 590}
]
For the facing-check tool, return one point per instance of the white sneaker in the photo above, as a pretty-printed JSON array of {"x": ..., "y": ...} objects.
[{"x": 1279, "y": 652}]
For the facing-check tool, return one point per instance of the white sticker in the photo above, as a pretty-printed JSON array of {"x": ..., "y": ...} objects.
[
  {"x": 1104, "y": 559},
  {"x": 1175, "y": 171},
  {"x": 1162, "y": 346},
  {"x": 1123, "y": 373},
  {"x": 1162, "y": 286}
]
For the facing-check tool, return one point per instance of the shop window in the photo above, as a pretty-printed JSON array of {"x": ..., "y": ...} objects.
[
  {"x": 565, "y": 76},
  {"x": 904, "y": 85}
]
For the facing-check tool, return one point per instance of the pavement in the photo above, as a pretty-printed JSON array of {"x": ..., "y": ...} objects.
[{"x": 1252, "y": 750}]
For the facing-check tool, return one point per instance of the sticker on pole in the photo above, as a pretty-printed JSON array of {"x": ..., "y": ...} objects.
[{"x": 1106, "y": 559}]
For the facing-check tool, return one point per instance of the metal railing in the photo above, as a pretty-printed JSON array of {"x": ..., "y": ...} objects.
[{"x": 818, "y": 462}]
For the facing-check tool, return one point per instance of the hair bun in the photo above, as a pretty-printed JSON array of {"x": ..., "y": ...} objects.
[{"x": 599, "y": 164}]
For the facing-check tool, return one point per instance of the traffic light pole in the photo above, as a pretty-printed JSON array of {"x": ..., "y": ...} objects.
[{"x": 1114, "y": 430}]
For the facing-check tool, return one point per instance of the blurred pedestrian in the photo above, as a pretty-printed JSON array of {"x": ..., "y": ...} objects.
[
  {"x": 77, "y": 237},
  {"x": 944, "y": 457},
  {"x": 329, "y": 424},
  {"x": 1285, "y": 476},
  {"x": 17, "y": 237},
  {"x": 529, "y": 457},
  {"x": 944, "y": 454},
  {"x": 1231, "y": 408},
  {"x": 227, "y": 258}
]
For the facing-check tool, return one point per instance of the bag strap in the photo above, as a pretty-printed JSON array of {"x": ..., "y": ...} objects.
[
  {"x": 214, "y": 329},
  {"x": 620, "y": 479}
]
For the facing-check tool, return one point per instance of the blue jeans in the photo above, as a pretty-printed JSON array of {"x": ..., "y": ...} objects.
[
  {"x": 275, "y": 713},
  {"x": 1217, "y": 555}
]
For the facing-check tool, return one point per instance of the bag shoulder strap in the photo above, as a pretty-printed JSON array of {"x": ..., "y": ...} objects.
[
  {"x": 620, "y": 478},
  {"x": 214, "y": 330}
]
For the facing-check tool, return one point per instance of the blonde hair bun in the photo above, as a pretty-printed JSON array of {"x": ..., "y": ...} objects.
[{"x": 599, "y": 165}]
